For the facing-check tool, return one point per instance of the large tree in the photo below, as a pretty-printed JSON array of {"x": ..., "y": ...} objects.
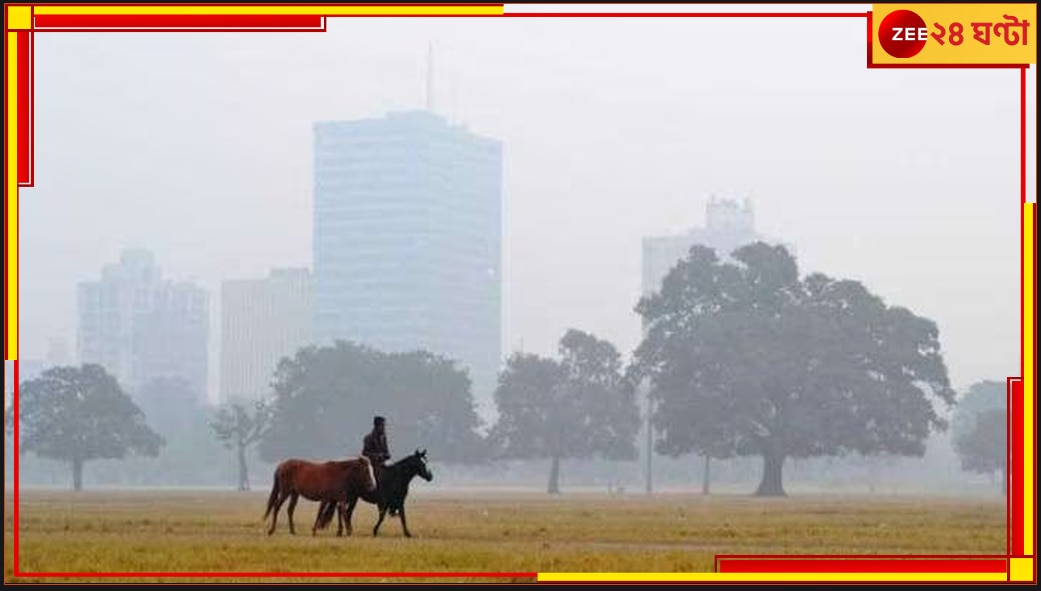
[
  {"x": 577, "y": 407},
  {"x": 325, "y": 398},
  {"x": 79, "y": 414},
  {"x": 746, "y": 357},
  {"x": 239, "y": 428}
]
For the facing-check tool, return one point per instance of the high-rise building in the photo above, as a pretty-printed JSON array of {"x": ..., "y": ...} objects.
[
  {"x": 262, "y": 321},
  {"x": 139, "y": 327},
  {"x": 407, "y": 240}
]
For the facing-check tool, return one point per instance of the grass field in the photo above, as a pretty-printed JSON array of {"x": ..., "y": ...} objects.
[{"x": 461, "y": 531}]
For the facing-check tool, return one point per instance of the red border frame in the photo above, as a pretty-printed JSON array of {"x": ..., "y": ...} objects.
[
  {"x": 177, "y": 21},
  {"x": 750, "y": 563}
]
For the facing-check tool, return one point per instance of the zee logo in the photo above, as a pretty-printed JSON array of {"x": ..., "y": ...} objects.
[
  {"x": 902, "y": 34},
  {"x": 909, "y": 34}
]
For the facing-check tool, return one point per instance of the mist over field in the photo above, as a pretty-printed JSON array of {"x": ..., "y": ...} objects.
[{"x": 522, "y": 241}]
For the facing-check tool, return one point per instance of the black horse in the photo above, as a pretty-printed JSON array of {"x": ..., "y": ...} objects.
[{"x": 391, "y": 489}]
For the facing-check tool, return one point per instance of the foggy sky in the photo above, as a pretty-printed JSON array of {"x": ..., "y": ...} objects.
[{"x": 199, "y": 147}]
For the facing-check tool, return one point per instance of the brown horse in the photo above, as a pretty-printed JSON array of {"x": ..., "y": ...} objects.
[{"x": 332, "y": 482}]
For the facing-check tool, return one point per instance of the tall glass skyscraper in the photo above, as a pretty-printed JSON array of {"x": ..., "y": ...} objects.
[{"x": 408, "y": 240}]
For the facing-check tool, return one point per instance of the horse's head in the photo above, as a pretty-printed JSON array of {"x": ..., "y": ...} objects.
[{"x": 417, "y": 463}]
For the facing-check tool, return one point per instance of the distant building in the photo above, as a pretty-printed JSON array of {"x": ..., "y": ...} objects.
[
  {"x": 728, "y": 226},
  {"x": 262, "y": 321},
  {"x": 140, "y": 327},
  {"x": 407, "y": 240}
]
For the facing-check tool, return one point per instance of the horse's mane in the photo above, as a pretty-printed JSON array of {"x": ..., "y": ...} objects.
[{"x": 399, "y": 462}]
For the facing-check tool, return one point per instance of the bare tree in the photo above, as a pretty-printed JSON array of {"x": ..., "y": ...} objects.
[{"x": 238, "y": 428}]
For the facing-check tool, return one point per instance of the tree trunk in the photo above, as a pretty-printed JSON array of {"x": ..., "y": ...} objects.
[
  {"x": 554, "y": 477},
  {"x": 772, "y": 484},
  {"x": 77, "y": 474},
  {"x": 705, "y": 477},
  {"x": 243, "y": 471}
]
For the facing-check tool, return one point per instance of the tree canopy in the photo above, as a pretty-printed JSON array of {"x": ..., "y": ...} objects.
[
  {"x": 979, "y": 429},
  {"x": 325, "y": 398},
  {"x": 984, "y": 447},
  {"x": 980, "y": 397},
  {"x": 576, "y": 407},
  {"x": 745, "y": 357},
  {"x": 79, "y": 414}
]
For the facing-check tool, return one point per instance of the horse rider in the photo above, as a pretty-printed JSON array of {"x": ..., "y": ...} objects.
[{"x": 374, "y": 445}]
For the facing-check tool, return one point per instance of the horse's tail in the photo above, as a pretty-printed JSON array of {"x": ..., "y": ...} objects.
[
  {"x": 325, "y": 514},
  {"x": 273, "y": 497}
]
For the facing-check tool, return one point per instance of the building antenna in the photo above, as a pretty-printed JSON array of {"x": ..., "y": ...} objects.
[{"x": 430, "y": 77}]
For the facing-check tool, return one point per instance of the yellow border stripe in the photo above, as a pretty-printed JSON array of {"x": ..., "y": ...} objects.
[
  {"x": 19, "y": 18},
  {"x": 756, "y": 577},
  {"x": 44, "y": 9},
  {"x": 12, "y": 195},
  {"x": 1029, "y": 336},
  {"x": 1021, "y": 569}
]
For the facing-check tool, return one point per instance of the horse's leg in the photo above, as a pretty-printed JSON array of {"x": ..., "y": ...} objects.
[
  {"x": 337, "y": 511},
  {"x": 404, "y": 526},
  {"x": 289, "y": 511},
  {"x": 317, "y": 518},
  {"x": 341, "y": 511},
  {"x": 349, "y": 513},
  {"x": 278, "y": 506},
  {"x": 383, "y": 512}
]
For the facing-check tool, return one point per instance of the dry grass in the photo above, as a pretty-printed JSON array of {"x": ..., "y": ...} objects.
[{"x": 459, "y": 531}]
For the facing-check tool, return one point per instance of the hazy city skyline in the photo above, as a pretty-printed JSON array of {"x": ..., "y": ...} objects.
[
  {"x": 408, "y": 240},
  {"x": 198, "y": 148},
  {"x": 141, "y": 326}
]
